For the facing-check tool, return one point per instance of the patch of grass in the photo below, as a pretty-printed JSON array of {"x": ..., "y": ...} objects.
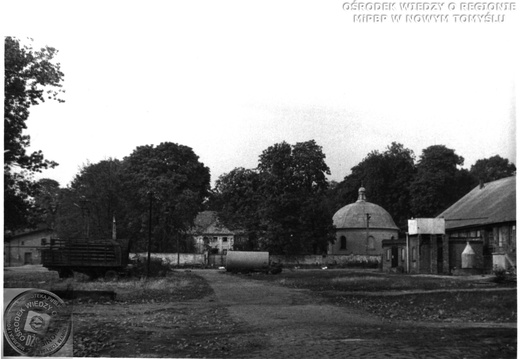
[
  {"x": 439, "y": 307},
  {"x": 175, "y": 285},
  {"x": 351, "y": 288},
  {"x": 350, "y": 280},
  {"x": 14, "y": 279}
]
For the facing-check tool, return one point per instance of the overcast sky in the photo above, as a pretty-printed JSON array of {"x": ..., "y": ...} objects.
[{"x": 231, "y": 78}]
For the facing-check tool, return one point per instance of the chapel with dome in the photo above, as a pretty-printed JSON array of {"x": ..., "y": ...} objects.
[{"x": 361, "y": 227}]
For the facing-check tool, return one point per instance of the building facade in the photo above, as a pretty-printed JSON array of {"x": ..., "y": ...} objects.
[
  {"x": 424, "y": 250},
  {"x": 475, "y": 235},
  {"x": 209, "y": 235},
  {"x": 25, "y": 248}
]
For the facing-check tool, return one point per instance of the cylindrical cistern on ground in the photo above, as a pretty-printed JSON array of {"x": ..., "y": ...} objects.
[{"x": 241, "y": 260}]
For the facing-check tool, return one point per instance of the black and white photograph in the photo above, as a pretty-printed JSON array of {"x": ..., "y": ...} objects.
[{"x": 275, "y": 179}]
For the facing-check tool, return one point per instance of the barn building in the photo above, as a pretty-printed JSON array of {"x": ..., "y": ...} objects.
[
  {"x": 474, "y": 235},
  {"x": 361, "y": 228},
  {"x": 485, "y": 220}
]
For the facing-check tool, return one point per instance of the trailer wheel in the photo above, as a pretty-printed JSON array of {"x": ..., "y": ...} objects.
[
  {"x": 65, "y": 273},
  {"x": 111, "y": 275},
  {"x": 93, "y": 275}
]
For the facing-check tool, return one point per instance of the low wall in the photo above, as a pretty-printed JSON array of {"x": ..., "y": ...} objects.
[
  {"x": 335, "y": 260},
  {"x": 339, "y": 260},
  {"x": 171, "y": 258}
]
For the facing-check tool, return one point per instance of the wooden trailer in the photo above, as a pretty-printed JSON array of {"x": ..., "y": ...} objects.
[{"x": 94, "y": 257}]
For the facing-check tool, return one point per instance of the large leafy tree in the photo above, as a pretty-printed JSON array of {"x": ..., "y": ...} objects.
[
  {"x": 30, "y": 77},
  {"x": 281, "y": 203},
  {"x": 439, "y": 181},
  {"x": 170, "y": 179},
  {"x": 46, "y": 201},
  {"x": 92, "y": 201},
  {"x": 237, "y": 197},
  {"x": 294, "y": 186},
  {"x": 386, "y": 176},
  {"x": 492, "y": 169}
]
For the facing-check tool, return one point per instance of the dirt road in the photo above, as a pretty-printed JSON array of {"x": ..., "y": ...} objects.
[{"x": 297, "y": 324}]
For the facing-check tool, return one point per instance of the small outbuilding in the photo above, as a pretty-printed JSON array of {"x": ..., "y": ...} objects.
[
  {"x": 361, "y": 228},
  {"x": 25, "y": 247}
]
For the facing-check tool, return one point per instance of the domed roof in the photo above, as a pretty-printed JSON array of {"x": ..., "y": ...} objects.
[{"x": 354, "y": 215}]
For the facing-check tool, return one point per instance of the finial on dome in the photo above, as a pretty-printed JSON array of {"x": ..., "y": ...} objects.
[{"x": 361, "y": 197}]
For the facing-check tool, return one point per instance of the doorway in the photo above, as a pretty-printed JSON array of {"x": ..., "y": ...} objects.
[
  {"x": 27, "y": 258},
  {"x": 395, "y": 256},
  {"x": 439, "y": 255}
]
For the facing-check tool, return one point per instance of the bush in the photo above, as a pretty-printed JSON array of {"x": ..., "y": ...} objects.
[
  {"x": 139, "y": 267},
  {"x": 275, "y": 268},
  {"x": 500, "y": 274}
]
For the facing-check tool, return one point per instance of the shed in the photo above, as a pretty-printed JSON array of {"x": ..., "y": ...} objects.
[{"x": 25, "y": 247}]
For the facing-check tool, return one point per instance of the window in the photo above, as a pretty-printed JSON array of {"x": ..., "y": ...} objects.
[
  {"x": 371, "y": 243},
  {"x": 414, "y": 254},
  {"x": 214, "y": 239},
  {"x": 388, "y": 254},
  {"x": 44, "y": 241},
  {"x": 513, "y": 238},
  {"x": 224, "y": 239},
  {"x": 490, "y": 240},
  {"x": 501, "y": 237},
  {"x": 23, "y": 243},
  {"x": 403, "y": 254},
  {"x": 343, "y": 242}
]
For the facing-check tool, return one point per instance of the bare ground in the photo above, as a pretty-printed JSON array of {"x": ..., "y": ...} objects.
[
  {"x": 232, "y": 316},
  {"x": 297, "y": 324}
]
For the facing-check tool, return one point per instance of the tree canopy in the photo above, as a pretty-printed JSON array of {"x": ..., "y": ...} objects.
[
  {"x": 171, "y": 177},
  {"x": 46, "y": 201},
  {"x": 492, "y": 169},
  {"x": 30, "y": 76},
  {"x": 386, "y": 176},
  {"x": 93, "y": 199},
  {"x": 168, "y": 177},
  {"x": 439, "y": 181},
  {"x": 280, "y": 204},
  {"x": 237, "y": 197}
]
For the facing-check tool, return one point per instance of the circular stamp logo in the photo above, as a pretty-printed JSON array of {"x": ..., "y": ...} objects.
[{"x": 37, "y": 323}]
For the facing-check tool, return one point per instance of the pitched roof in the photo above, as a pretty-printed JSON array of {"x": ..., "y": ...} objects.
[
  {"x": 495, "y": 202},
  {"x": 27, "y": 232},
  {"x": 207, "y": 222}
]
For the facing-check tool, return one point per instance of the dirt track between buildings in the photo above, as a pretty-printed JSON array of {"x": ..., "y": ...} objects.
[
  {"x": 296, "y": 324},
  {"x": 222, "y": 315}
]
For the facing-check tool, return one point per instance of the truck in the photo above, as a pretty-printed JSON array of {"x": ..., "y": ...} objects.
[{"x": 93, "y": 257}]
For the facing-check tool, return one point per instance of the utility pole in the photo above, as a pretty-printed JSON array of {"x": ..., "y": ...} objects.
[
  {"x": 178, "y": 253},
  {"x": 85, "y": 214},
  {"x": 150, "y": 194},
  {"x": 368, "y": 225}
]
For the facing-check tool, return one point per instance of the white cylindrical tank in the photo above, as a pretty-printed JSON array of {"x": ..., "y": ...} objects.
[
  {"x": 240, "y": 260},
  {"x": 468, "y": 257}
]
